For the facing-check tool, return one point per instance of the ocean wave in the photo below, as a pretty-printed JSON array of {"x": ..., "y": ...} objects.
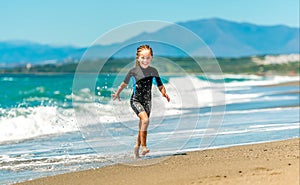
[
  {"x": 251, "y": 129},
  {"x": 25, "y": 123},
  {"x": 41, "y": 164},
  {"x": 252, "y": 111},
  {"x": 261, "y": 81}
]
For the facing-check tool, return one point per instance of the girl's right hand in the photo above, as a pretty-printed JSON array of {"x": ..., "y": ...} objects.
[{"x": 116, "y": 96}]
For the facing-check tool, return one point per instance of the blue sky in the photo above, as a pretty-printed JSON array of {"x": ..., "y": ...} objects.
[{"x": 80, "y": 22}]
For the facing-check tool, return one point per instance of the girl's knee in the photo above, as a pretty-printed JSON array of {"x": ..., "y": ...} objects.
[{"x": 145, "y": 121}]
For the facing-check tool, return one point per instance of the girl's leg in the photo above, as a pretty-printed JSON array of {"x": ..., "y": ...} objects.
[
  {"x": 143, "y": 131},
  {"x": 138, "y": 143},
  {"x": 138, "y": 140}
]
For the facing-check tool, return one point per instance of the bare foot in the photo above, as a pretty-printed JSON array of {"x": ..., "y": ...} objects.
[
  {"x": 145, "y": 151},
  {"x": 136, "y": 152}
]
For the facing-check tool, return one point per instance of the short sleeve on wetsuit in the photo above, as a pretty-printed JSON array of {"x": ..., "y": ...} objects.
[
  {"x": 127, "y": 78},
  {"x": 157, "y": 78},
  {"x": 158, "y": 81}
]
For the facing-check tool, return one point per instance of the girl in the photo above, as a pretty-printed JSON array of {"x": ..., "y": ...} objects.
[{"x": 140, "y": 100}]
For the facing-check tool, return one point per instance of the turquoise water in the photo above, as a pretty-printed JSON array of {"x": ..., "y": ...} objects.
[
  {"x": 35, "y": 90},
  {"x": 48, "y": 128}
]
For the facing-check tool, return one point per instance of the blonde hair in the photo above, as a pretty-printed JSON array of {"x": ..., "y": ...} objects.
[{"x": 139, "y": 49}]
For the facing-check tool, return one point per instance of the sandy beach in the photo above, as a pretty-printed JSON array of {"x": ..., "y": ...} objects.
[
  {"x": 265, "y": 163},
  {"x": 294, "y": 83}
]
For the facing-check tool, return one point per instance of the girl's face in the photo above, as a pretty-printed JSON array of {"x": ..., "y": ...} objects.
[{"x": 144, "y": 58}]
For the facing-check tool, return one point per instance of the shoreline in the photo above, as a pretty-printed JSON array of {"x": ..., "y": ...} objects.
[
  {"x": 275, "y": 162},
  {"x": 292, "y": 83}
]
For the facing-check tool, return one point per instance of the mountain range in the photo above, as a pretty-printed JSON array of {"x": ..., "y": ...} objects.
[{"x": 224, "y": 38}]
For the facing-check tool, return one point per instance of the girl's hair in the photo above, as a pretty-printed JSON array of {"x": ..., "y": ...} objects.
[{"x": 139, "y": 49}]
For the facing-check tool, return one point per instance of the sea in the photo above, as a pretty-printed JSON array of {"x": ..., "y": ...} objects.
[{"x": 54, "y": 124}]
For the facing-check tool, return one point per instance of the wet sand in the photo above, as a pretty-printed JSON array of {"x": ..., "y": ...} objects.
[{"x": 266, "y": 163}]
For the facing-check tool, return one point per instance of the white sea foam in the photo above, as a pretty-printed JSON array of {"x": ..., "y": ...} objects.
[
  {"x": 40, "y": 164},
  {"x": 25, "y": 123},
  {"x": 235, "y": 76},
  {"x": 260, "y": 81},
  {"x": 9, "y": 79}
]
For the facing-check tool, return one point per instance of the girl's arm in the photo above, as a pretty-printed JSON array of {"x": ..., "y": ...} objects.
[
  {"x": 117, "y": 94},
  {"x": 163, "y": 91}
]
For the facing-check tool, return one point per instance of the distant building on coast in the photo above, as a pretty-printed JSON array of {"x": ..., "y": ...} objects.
[{"x": 277, "y": 59}]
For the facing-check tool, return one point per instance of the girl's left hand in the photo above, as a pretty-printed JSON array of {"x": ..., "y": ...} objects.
[{"x": 166, "y": 96}]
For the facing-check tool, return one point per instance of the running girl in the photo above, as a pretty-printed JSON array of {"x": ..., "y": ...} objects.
[{"x": 140, "y": 100}]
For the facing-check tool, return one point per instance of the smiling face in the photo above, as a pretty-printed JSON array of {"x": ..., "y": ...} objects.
[{"x": 144, "y": 57}]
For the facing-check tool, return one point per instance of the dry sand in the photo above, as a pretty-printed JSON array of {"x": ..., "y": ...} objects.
[{"x": 266, "y": 163}]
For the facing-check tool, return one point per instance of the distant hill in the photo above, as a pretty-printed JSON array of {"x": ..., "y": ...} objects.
[
  {"x": 232, "y": 39},
  {"x": 21, "y": 52},
  {"x": 225, "y": 39}
]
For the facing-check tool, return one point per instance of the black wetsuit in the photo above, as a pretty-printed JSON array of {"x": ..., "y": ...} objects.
[{"x": 141, "y": 96}]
